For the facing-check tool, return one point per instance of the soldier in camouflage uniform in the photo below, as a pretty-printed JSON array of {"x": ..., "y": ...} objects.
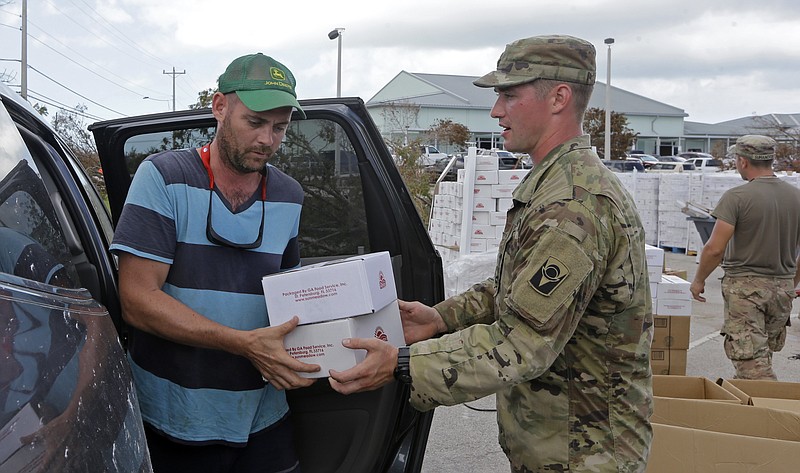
[
  {"x": 756, "y": 238},
  {"x": 562, "y": 332}
]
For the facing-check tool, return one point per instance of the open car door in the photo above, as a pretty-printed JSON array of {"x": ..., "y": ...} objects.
[{"x": 355, "y": 203}]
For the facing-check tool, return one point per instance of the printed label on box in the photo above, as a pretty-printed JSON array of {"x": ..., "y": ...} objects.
[
  {"x": 321, "y": 343},
  {"x": 331, "y": 290}
]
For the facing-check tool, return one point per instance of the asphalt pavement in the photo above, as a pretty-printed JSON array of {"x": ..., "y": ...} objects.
[{"x": 463, "y": 438}]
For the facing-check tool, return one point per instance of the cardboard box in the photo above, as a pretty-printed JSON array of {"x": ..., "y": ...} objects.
[
  {"x": 511, "y": 176},
  {"x": 503, "y": 191},
  {"x": 485, "y": 177},
  {"x": 681, "y": 273},
  {"x": 673, "y": 287},
  {"x": 691, "y": 387},
  {"x": 485, "y": 163},
  {"x": 671, "y": 331},
  {"x": 665, "y": 306},
  {"x": 727, "y": 418},
  {"x": 684, "y": 450},
  {"x": 665, "y": 361},
  {"x": 321, "y": 343},
  {"x": 765, "y": 393},
  {"x": 655, "y": 261},
  {"x": 484, "y": 204},
  {"x": 331, "y": 290}
]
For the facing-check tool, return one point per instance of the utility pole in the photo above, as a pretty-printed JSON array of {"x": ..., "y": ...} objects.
[
  {"x": 173, "y": 74},
  {"x": 23, "y": 66}
]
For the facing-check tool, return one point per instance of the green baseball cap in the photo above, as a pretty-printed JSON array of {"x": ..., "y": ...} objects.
[
  {"x": 261, "y": 83},
  {"x": 557, "y": 57},
  {"x": 758, "y": 147}
]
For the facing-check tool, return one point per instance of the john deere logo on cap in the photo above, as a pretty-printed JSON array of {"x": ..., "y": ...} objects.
[
  {"x": 277, "y": 74},
  {"x": 549, "y": 276}
]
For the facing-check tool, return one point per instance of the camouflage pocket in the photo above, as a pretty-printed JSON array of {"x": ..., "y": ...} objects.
[
  {"x": 739, "y": 346},
  {"x": 777, "y": 342},
  {"x": 556, "y": 270}
]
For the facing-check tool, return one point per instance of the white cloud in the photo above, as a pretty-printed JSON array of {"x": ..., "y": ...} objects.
[{"x": 716, "y": 59}]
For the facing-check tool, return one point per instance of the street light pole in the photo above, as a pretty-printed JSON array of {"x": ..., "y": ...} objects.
[
  {"x": 607, "y": 149},
  {"x": 158, "y": 100},
  {"x": 337, "y": 34}
]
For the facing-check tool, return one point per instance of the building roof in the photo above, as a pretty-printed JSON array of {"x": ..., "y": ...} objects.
[
  {"x": 451, "y": 91},
  {"x": 455, "y": 91}
]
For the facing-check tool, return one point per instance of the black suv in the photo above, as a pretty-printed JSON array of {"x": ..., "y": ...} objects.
[{"x": 355, "y": 203}]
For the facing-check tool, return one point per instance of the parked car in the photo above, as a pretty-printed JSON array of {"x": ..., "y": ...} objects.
[
  {"x": 47, "y": 196},
  {"x": 647, "y": 160},
  {"x": 668, "y": 166},
  {"x": 506, "y": 159},
  {"x": 452, "y": 172},
  {"x": 624, "y": 165},
  {"x": 706, "y": 163},
  {"x": 429, "y": 155},
  {"x": 695, "y": 154},
  {"x": 672, "y": 159}
]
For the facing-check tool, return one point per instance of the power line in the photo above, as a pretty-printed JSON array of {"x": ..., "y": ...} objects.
[
  {"x": 81, "y": 65},
  {"x": 76, "y": 93},
  {"x": 47, "y": 100},
  {"x": 125, "y": 38},
  {"x": 85, "y": 58}
]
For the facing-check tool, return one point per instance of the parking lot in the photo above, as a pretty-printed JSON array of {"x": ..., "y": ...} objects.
[{"x": 464, "y": 438}]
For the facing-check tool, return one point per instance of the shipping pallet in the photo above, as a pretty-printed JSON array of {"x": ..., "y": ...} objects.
[{"x": 673, "y": 249}]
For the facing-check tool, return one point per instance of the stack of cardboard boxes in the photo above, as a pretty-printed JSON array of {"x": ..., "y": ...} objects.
[
  {"x": 657, "y": 197},
  {"x": 672, "y": 310},
  {"x": 334, "y": 300},
  {"x": 724, "y": 426},
  {"x": 461, "y": 226}
]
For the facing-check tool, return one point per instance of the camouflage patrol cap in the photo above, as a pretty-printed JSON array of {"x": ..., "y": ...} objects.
[
  {"x": 557, "y": 57},
  {"x": 756, "y": 147}
]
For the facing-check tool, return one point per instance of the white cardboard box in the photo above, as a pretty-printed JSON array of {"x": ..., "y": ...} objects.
[
  {"x": 674, "y": 287},
  {"x": 503, "y": 191},
  {"x": 321, "y": 343},
  {"x": 665, "y": 306},
  {"x": 511, "y": 176},
  {"x": 485, "y": 177},
  {"x": 481, "y": 204},
  {"x": 331, "y": 290}
]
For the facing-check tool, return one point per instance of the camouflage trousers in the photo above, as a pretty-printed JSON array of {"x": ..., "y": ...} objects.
[{"x": 757, "y": 313}]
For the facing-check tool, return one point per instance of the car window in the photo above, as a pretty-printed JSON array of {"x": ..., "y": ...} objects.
[
  {"x": 35, "y": 243},
  {"x": 319, "y": 155}
]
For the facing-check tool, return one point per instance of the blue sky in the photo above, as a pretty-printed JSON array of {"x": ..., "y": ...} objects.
[{"x": 718, "y": 60}]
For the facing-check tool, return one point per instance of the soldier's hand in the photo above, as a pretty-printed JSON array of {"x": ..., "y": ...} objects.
[
  {"x": 420, "y": 322},
  {"x": 697, "y": 288},
  {"x": 265, "y": 350},
  {"x": 376, "y": 370}
]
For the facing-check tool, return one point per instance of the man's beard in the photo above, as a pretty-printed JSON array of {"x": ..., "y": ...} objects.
[{"x": 232, "y": 155}]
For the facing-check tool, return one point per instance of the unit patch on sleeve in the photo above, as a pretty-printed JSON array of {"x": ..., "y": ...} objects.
[{"x": 549, "y": 276}]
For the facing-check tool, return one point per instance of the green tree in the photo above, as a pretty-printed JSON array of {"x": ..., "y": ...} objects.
[
  {"x": 449, "y": 132},
  {"x": 70, "y": 126},
  {"x": 594, "y": 124},
  {"x": 203, "y": 99},
  {"x": 399, "y": 117}
]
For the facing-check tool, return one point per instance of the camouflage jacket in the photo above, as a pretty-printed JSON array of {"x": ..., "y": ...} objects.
[{"x": 562, "y": 332}]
